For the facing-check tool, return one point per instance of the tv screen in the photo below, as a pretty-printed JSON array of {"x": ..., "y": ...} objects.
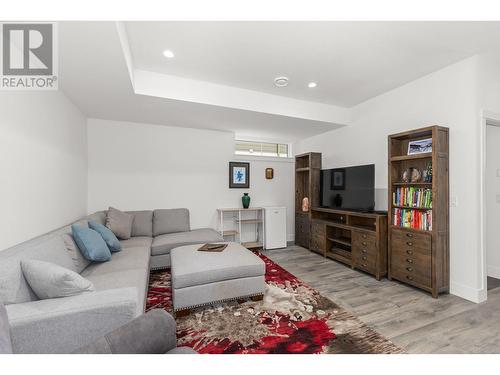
[{"x": 350, "y": 188}]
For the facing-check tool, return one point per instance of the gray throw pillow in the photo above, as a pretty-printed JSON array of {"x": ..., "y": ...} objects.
[
  {"x": 120, "y": 223},
  {"x": 49, "y": 280}
]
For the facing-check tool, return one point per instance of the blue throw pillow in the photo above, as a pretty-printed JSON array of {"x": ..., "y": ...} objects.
[
  {"x": 91, "y": 244},
  {"x": 108, "y": 236}
]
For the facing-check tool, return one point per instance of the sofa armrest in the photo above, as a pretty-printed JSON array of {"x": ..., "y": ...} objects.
[
  {"x": 62, "y": 325},
  {"x": 150, "y": 333}
]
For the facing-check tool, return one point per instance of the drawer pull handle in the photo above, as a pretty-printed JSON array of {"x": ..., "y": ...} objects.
[
  {"x": 364, "y": 243},
  {"x": 364, "y": 258},
  {"x": 364, "y": 264},
  {"x": 409, "y": 243},
  {"x": 409, "y": 252},
  {"x": 409, "y": 260},
  {"x": 363, "y": 251},
  {"x": 409, "y": 269},
  {"x": 409, "y": 277},
  {"x": 409, "y": 235},
  {"x": 364, "y": 236}
]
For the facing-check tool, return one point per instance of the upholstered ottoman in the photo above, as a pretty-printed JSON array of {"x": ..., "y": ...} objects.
[{"x": 200, "y": 278}]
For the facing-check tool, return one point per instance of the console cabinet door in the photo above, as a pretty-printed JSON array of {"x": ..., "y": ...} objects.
[
  {"x": 318, "y": 232},
  {"x": 302, "y": 230}
]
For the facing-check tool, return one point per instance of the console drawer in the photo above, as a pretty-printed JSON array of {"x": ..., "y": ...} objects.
[{"x": 364, "y": 243}]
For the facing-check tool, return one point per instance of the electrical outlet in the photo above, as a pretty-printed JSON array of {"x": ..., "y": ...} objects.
[{"x": 454, "y": 201}]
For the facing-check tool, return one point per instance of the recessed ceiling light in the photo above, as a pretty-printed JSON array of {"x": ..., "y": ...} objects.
[
  {"x": 168, "y": 54},
  {"x": 312, "y": 85},
  {"x": 281, "y": 81}
]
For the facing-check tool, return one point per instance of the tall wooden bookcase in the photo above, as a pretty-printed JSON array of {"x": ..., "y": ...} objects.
[
  {"x": 419, "y": 256},
  {"x": 307, "y": 180}
]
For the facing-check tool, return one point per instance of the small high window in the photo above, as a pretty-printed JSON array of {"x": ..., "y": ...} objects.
[{"x": 279, "y": 150}]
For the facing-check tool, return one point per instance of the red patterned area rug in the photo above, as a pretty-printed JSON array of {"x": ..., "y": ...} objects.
[{"x": 292, "y": 318}]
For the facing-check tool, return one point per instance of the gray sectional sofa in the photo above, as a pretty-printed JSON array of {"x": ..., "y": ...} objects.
[{"x": 42, "y": 326}]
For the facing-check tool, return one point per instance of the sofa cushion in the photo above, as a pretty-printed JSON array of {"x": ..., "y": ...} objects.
[
  {"x": 99, "y": 217},
  {"x": 137, "y": 242},
  {"x": 13, "y": 285},
  {"x": 79, "y": 260},
  {"x": 106, "y": 234},
  {"x": 142, "y": 225},
  {"x": 49, "y": 280},
  {"x": 5, "y": 343},
  {"x": 192, "y": 267},
  {"x": 127, "y": 259},
  {"x": 120, "y": 223},
  {"x": 91, "y": 244},
  {"x": 137, "y": 278},
  {"x": 170, "y": 221},
  {"x": 166, "y": 242}
]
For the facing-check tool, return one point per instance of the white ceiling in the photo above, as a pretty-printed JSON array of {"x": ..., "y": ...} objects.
[
  {"x": 351, "y": 61},
  {"x": 93, "y": 73}
]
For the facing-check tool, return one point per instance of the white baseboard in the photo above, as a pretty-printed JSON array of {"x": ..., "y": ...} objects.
[
  {"x": 468, "y": 293},
  {"x": 494, "y": 272}
]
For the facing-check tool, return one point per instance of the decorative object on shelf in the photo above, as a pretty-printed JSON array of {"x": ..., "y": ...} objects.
[
  {"x": 412, "y": 175},
  {"x": 305, "y": 204},
  {"x": 239, "y": 175},
  {"x": 337, "y": 200},
  {"x": 245, "y": 200},
  {"x": 427, "y": 174},
  {"x": 338, "y": 179},
  {"x": 269, "y": 173},
  {"x": 421, "y": 146}
]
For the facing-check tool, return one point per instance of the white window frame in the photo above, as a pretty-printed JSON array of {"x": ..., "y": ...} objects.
[{"x": 288, "y": 158}]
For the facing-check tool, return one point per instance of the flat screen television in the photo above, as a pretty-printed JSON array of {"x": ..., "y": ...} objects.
[{"x": 349, "y": 188}]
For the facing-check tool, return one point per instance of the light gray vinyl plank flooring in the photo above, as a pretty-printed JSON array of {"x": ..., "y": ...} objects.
[{"x": 408, "y": 317}]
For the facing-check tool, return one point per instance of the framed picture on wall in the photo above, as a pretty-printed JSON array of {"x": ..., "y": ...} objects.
[{"x": 239, "y": 175}]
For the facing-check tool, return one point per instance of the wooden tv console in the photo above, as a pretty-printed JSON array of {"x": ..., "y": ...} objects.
[{"x": 357, "y": 239}]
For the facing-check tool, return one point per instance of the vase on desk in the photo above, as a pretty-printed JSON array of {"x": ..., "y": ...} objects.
[{"x": 245, "y": 199}]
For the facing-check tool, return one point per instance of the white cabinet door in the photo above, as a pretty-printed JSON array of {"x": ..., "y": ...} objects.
[{"x": 275, "y": 222}]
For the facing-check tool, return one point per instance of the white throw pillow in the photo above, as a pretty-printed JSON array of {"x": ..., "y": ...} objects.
[{"x": 49, "y": 280}]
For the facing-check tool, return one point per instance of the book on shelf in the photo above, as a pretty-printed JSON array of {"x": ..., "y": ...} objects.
[
  {"x": 412, "y": 197},
  {"x": 409, "y": 218}
]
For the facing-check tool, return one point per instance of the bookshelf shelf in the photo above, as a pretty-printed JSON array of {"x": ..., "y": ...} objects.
[
  {"x": 426, "y": 155},
  {"x": 410, "y": 229},
  {"x": 425, "y": 184},
  {"x": 412, "y": 208},
  {"x": 416, "y": 232}
]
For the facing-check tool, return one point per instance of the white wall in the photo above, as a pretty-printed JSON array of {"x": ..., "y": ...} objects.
[
  {"x": 449, "y": 98},
  {"x": 141, "y": 166},
  {"x": 492, "y": 202},
  {"x": 43, "y": 164},
  {"x": 489, "y": 96}
]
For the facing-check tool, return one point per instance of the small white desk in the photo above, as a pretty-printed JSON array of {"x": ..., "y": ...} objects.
[{"x": 242, "y": 220}]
